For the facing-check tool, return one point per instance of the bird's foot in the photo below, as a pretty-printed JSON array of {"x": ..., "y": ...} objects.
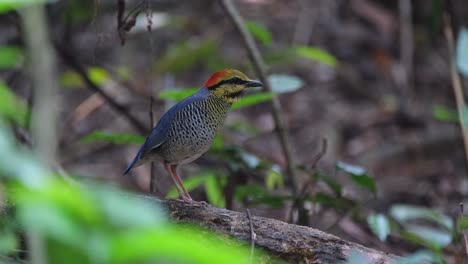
[{"x": 189, "y": 200}]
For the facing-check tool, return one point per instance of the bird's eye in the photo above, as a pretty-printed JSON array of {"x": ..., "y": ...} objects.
[{"x": 237, "y": 80}]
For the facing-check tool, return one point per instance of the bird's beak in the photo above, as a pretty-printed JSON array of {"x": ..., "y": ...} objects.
[{"x": 254, "y": 83}]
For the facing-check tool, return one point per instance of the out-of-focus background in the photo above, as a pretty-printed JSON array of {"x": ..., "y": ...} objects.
[{"x": 366, "y": 83}]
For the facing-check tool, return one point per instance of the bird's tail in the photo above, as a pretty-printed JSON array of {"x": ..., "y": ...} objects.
[{"x": 135, "y": 161}]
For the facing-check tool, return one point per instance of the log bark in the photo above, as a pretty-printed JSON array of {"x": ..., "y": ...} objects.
[{"x": 292, "y": 243}]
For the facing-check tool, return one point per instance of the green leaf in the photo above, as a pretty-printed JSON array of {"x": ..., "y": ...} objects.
[
  {"x": 259, "y": 195},
  {"x": 12, "y": 107},
  {"x": 259, "y": 32},
  {"x": 175, "y": 245},
  {"x": 190, "y": 184},
  {"x": 465, "y": 115},
  {"x": 50, "y": 221},
  {"x": 10, "y": 56},
  {"x": 421, "y": 256},
  {"x": 365, "y": 181},
  {"x": 316, "y": 54},
  {"x": 218, "y": 143},
  {"x": 177, "y": 94},
  {"x": 405, "y": 213},
  {"x": 274, "y": 178},
  {"x": 436, "y": 237},
  {"x": 351, "y": 169},
  {"x": 128, "y": 210},
  {"x": 214, "y": 191},
  {"x": 18, "y": 164},
  {"x": 358, "y": 175},
  {"x": 57, "y": 193},
  {"x": 334, "y": 185},
  {"x": 252, "y": 100},
  {"x": 70, "y": 79},
  {"x": 97, "y": 75},
  {"x": 281, "y": 83},
  {"x": 461, "y": 53},
  {"x": 184, "y": 55},
  {"x": 8, "y": 242},
  {"x": 462, "y": 222},
  {"x": 445, "y": 114},
  {"x": 116, "y": 138},
  {"x": 380, "y": 225},
  {"x": 357, "y": 257},
  {"x": 10, "y": 5}
]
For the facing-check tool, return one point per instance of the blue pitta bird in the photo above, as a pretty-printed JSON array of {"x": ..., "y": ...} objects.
[{"x": 187, "y": 130}]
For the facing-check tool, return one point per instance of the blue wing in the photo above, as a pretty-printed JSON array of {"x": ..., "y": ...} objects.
[{"x": 159, "y": 133}]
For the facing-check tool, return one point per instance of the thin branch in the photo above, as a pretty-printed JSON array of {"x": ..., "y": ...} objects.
[
  {"x": 456, "y": 82},
  {"x": 153, "y": 186},
  {"x": 260, "y": 69},
  {"x": 76, "y": 66},
  {"x": 406, "y": 42},
  {"x": 253, "y": 236},
  {"x": 465, "y": 237},
  {"x": 41, "y": 62},
  {"x": 149, "y": 15},
  {"x": 313, "y": 169}
]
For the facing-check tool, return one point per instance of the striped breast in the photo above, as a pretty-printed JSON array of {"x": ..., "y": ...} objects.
[{"x": 193, "y": 129}]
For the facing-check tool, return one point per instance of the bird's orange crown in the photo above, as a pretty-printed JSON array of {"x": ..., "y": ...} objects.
[{"x": 221, "y": 75}]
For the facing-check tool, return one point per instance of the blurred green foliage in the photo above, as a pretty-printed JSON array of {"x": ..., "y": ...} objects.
[
  {"x": 97, "y": 75},
  {"x": 10, "y": 57},
  {"x": 444, "y": 114},
  {"x": 11, "y": 5},
  {"x": 115, "y": 138},
  {"x": 316, "y": 54},
  {"x": 92, "y": 223},
  {"x": 184, "y": 55},
  {"x": 380, "y": 225},
  {"x": 259, "y": 32},
  {"x": 423, "y": 226},
  {"x": 358, "y": 175},
  {"x": 12, "y": 108}
]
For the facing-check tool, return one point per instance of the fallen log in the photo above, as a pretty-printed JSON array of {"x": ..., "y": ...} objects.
[{"x": 292, "y": 243}]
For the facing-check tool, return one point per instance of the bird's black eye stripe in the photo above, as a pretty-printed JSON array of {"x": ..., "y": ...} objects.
[
  {"x": 237, "y": 80},
  {"x": 233, "y": 80}
]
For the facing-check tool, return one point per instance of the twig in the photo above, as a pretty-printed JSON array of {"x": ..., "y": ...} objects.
[
  {"x": 149, "y": 14},
  {"x": 456, "y": 82},
  {"x": 124, "y": 25},
  {"x": 303, "y": 193},
  {"x": 153, "y": 186},
  {"x": 320, "y": 155},
  {"x": 41, "y": 60},
  {"x": 253, "y": 236},
  {"x": 314, "y": 165},
  {"x": 75, "y": 65},
  {"x": 406, "y": 42},
  {"x": 463, "y": 231},
  {"x": 260, "y": 68}
]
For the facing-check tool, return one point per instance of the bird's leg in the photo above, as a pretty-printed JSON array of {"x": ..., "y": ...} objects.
[
  {"x": 177, "y": 179},
  {"x": 168, "y": 169},
  {"x": 186, "y": 197}
]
